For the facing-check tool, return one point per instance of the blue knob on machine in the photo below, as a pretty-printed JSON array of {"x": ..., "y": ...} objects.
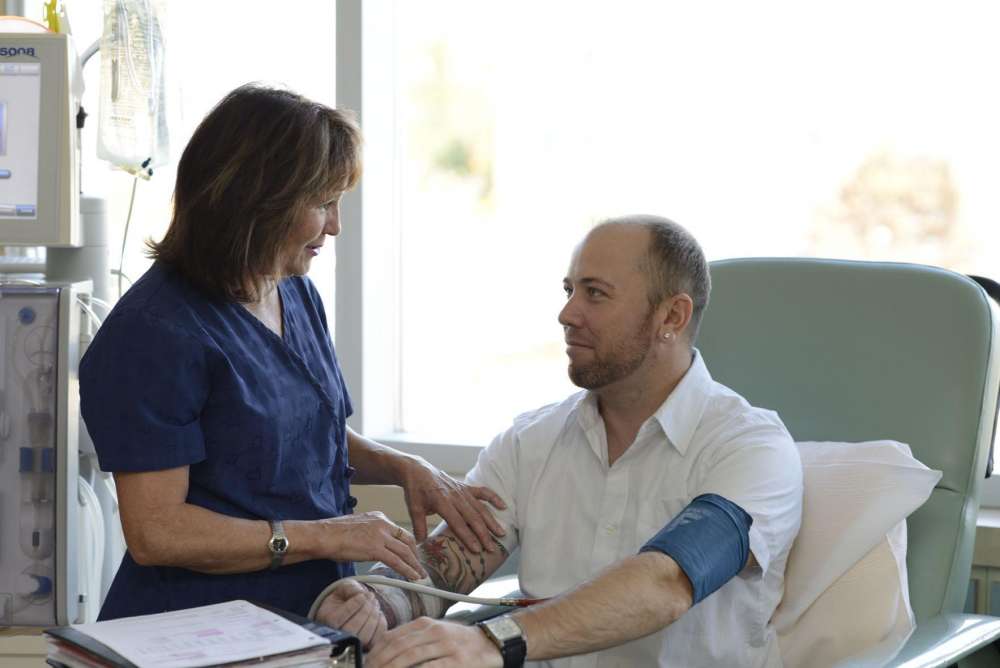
[
  {"x": 44, "y": 585},
  {"x": 26, "y": 315},
  {"x": 48, "y": 460},
  {"x": 27, "y": 460}
]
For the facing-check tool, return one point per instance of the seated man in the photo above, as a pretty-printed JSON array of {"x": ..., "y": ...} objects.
[{"x": 638, "y": 497}]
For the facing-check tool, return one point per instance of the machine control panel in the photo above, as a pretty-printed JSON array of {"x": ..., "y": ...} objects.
[
  {"x": 20, "y": 99},
  {"x": 39, "y": 155}
]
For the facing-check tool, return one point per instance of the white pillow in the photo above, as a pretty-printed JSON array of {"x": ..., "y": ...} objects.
[{"x": 846, "y": 593}]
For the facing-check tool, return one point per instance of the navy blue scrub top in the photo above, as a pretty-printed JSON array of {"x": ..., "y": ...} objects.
[{"x": 173, "y": 378}]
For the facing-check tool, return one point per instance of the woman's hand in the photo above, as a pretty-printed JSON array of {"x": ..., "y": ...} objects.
[
  {"x": 352, "y": 607},
  {"x": 369, "y": 537},
  {"x": 429, "y": 490}
]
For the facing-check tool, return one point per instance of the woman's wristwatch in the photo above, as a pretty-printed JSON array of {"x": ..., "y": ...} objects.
[
  {"x": 507, "y": 635},
  {"x": 278, "y": 544}
]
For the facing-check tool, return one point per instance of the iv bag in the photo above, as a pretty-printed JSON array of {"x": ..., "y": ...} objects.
[{"x": 132, "y": 125}]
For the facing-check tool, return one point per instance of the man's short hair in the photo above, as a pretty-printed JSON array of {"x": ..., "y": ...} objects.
[
  {"x": 675, "y": 263},
  {"x": 260, "y": 158}
]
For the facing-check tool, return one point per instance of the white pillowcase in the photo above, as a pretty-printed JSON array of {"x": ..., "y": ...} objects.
[{"x": 846, "y": 597}]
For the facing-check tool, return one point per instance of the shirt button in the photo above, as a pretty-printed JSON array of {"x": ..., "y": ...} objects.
[{"x": 611, "y": 529}]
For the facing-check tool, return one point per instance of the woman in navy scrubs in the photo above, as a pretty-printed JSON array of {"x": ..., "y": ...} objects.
[{"x": 213, "y": 393}]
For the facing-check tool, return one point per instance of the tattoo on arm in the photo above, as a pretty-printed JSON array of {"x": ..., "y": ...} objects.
[{"x": 451, "y": 567}]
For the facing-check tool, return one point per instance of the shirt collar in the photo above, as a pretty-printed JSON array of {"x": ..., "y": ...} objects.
[
  {"x": 584, "y": 410},
  {"x": 678, "y": 416},
  {"x": 588, "y": 418}
]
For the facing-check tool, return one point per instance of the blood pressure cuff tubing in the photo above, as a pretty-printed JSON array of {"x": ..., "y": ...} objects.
[{"x": 709, "y": 540}]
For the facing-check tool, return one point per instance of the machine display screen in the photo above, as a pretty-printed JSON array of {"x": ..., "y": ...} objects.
[{"x": 20, "y": 101}]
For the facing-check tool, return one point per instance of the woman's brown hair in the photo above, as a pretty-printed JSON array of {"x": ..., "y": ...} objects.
[{"x": 259, "y": 158}]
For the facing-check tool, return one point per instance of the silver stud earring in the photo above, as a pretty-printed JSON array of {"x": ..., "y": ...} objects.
[{"x": 666, "y": 336}]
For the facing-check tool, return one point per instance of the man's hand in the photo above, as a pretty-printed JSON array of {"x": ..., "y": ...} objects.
[
  {"x": 353, "y": 608},
  {"x": 429, "y": 491},
  {"x": 423, "y": 640}
]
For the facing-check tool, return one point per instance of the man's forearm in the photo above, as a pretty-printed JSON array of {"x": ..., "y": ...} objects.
[
  {"x": 450, "y": 565},
  {"x": 453, "y": 567},
  {"x": 629, "y": 600}
]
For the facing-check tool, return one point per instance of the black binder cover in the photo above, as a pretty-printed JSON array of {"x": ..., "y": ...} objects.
[{"x": 98, "y": 650}]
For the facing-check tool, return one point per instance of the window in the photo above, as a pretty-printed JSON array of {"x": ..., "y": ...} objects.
[{"x": 503, "y": 131}]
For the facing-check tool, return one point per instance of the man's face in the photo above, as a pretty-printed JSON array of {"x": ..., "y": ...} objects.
[{"x": 608, "y": 323}]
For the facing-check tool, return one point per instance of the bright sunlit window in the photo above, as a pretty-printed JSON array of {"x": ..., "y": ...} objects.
[{"x": 853, "y": 129}]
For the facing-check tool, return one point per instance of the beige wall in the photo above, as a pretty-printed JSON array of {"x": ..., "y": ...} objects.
[
  {"x": 388, "y": 499},
  {"x": 21, "y": 648}
]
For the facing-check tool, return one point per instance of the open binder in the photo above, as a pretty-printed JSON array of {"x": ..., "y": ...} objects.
[{"x": 73, "y": 647}]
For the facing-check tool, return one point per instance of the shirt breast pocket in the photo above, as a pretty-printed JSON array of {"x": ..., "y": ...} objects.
[{"x": 654, "y": 514}]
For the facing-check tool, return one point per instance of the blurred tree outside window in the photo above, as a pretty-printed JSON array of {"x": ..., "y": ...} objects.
[{"x": 854, "y": 130}]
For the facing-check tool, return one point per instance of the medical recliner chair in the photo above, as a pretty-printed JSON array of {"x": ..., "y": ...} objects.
[{"x": 856, "y": 351}]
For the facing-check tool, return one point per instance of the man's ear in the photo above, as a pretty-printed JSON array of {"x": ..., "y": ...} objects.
[{"x": 675, "y": 314}]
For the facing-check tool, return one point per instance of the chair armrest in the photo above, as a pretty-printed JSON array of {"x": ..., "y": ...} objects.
[{"x": 943, "y": 640}]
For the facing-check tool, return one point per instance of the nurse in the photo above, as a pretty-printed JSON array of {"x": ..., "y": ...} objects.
[{"x": 213, "y": 393}]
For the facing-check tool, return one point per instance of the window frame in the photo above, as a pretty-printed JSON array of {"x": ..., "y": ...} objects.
[{"x": 367, "y": 325}]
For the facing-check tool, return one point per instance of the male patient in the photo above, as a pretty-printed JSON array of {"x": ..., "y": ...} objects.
[{"x": 631, "y": 501}]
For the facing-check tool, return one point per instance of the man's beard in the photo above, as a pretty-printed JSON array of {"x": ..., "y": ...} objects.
[{"x": 625, "y": 357}]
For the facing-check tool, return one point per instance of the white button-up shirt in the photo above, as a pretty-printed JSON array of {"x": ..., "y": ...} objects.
[{"x": 572, "y": 515}]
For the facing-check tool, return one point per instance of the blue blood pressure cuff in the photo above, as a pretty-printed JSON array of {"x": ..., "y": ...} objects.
[{"x": 709, "y": 540}]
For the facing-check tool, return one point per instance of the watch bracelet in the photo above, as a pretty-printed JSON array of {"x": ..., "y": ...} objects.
[{"x": 277, "y": 530}]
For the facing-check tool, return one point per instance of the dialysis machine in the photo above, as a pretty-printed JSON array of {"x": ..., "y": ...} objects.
[
  {"x": 54, "y": 503},
  {"x": 39, "y": 467}
]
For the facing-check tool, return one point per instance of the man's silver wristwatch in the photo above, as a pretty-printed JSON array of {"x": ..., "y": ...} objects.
[
  {"x": 507, "y": 635},
  {"x": 278, "y": 544}
]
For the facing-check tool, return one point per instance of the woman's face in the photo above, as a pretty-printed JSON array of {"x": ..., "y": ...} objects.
[{"x": 308, "y": 234}]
